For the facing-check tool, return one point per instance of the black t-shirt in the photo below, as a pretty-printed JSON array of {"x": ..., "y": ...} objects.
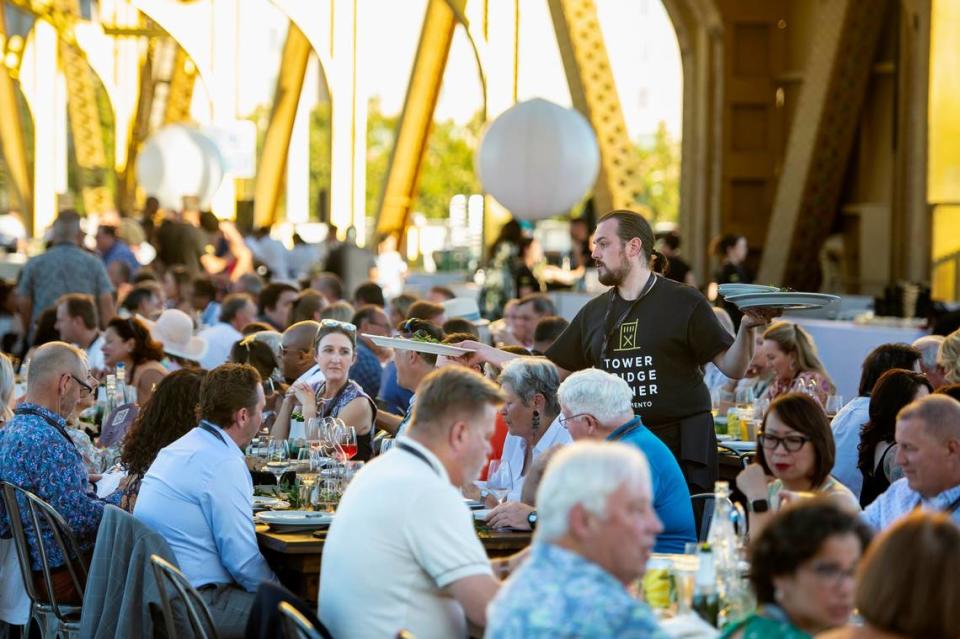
[
  {"x": 180, "y": 243},
  {"x": 659, "y": 347}
]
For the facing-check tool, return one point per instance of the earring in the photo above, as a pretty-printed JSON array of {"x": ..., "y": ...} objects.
[{"x": 536, "y": 421}]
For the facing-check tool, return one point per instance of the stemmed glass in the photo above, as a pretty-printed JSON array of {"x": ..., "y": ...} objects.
[
  {"x": 278, "y": 458},
  {"x": 833, "y": 406},
  {"x": 346, "y": 441},
  {"x": 499, "y": 479}
]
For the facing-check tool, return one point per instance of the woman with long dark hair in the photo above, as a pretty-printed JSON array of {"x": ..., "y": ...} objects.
[
  {"x": 170, "y": 414},
  {"x": 878, "y": 448},
  {"x": 129, "y": 341}
]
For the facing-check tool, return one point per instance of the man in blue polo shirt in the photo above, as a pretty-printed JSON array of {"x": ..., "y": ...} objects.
[{"x": 597, "y": 405}]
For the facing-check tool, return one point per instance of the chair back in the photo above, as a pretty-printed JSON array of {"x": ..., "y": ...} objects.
[
  {"x": 295, "y": 625},
  {"x": 40, "y": 511},
  {"x": 197, "y": 612},
  {"x": 703, "y": 506}
]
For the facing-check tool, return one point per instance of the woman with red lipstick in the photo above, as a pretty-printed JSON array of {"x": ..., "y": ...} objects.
[
  {"x": 795, "y": 455},
  {"x": 802, "y": 571}
]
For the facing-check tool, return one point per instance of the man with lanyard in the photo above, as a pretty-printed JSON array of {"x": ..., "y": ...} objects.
[
  {"x": 198, "y": 493},
  {"x": 656, "y": 334},
  {"x": 37, "y": 454},
  {"x": 403, "y": 539},
  {"x": 928, "y": 452},
  {"x": 597, "y": 406}
]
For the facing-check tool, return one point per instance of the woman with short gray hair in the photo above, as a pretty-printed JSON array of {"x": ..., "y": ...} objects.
[{"x": 532, "y": 414}]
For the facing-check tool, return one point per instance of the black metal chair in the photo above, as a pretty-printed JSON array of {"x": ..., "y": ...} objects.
[
  {"x": 42, "y": 607},
  {"x": 197, "y": 612},
  {"x": 295, "y": 625},
  {"x": 706, "y": 513}
]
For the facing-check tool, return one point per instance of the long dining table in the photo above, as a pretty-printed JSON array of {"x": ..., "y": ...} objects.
[{"x": 295, "y": 557}]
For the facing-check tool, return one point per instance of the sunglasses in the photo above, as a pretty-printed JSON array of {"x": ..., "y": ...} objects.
[{"x": 344, "y": 326}]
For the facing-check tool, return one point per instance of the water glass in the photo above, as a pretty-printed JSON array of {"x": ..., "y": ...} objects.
[
  {"x": 386, "y": 444},
  {"x": 499, "y": 479},
  {"x": 833, "y": 405},
  {"x": 278, "y": 458}
]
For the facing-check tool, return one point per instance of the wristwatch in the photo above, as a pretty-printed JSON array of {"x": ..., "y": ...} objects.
[
  {"x": 532, "y": 520},
  {"x": 759, "y": 506}
]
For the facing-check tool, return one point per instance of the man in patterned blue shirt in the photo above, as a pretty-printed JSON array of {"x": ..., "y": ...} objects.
[
  {"x": 596, "y": 529},
  {"x": 36, "y": 453}
]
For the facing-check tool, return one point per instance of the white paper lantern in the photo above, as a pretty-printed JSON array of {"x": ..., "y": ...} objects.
[
  {"x": 178, "y": 161},
  {"x": 538, "y": 159}
]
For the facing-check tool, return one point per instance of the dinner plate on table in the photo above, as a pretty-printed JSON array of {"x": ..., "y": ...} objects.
[
  {"x": 295, "y": 520},
  {"x": 265, "y": 501},
  {"x": 735, "y": 288},
  {"x": 403, "y": 344},
  {"x": 786, "y": 301}
]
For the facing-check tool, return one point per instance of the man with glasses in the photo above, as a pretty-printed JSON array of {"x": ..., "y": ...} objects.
[
  {"x": 368, "y": 370},
  {"x": 37, "y": 454}
]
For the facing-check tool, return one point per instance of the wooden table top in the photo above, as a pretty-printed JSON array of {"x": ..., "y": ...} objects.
[{"x": 496, "y": 542}]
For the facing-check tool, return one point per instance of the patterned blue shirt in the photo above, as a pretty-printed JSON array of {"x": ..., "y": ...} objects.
[
  {"x": 557, "y": 593},
  {"x": 367, "y": 371},
  {"x": 122, "y": 253},
  {"x": 899, "y": 500},
  {"x": 62, "y": 269},
  {"x": 37, "y": 456}
]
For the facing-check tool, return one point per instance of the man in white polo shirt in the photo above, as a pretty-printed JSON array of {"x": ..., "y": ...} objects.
[
  {"x": 402, "y": 553},
  {"x": 237, "y": 310}
]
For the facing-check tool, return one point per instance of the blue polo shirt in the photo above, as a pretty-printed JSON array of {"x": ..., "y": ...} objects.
[{"x": 671, "y": 498}]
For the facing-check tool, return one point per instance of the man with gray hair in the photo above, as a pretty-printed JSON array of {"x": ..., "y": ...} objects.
[
  {"x": 403, "y": 536},
  {"x": 928, "y": 451},
  {"x": 597, "y": 530},
  {"x": 596, "y": 405},
  {"x": 929, "y": 346},
  {"x": 64, "y": 268}
]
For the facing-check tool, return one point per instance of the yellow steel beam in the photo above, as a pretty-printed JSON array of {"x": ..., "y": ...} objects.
[
  {"x": 594, "y": 94},
  {"x": 418, "y": 108},
  {"x": 183, "y": 77},
  {"x": 273, "y": 160},
  {"x": 12, "y": 142},
  {"x": 139, "y": 130}
]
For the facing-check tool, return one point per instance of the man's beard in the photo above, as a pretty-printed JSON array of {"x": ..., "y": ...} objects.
[{"x": 610, "y": 277}]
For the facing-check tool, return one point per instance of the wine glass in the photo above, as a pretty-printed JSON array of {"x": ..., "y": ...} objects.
[
  {"x": 278, "y": 458},
  {"x": 833, "y": 405},
  {"x": 346, "y": 440},
  {"x": 499, "y": 479}
]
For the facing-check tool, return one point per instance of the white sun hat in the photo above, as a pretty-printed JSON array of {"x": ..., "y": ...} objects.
[{"x": 174, "y": 329}]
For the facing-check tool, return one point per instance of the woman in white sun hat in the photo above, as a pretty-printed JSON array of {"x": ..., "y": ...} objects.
[{"x": 174, "y": 329}]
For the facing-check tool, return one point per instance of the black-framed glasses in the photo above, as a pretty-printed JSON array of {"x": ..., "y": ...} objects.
[
  {"x": 86, "y": 390},
  {"x": 332, "y": 323},
  {"x": 564, "y": 420},
  {"x": 791, "y": 443}
]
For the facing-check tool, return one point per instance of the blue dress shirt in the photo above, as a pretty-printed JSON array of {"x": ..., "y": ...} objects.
[
  {"x": 846, "y": 427},
  {"x": 198, "y": 495},
  {"x": 394, "y": 397},
  {"x": 367, "y": 370},
  {"x": 899, "y": 500},
  {"x": 671, "y": 497}
]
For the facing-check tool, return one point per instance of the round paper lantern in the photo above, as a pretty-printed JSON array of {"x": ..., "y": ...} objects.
[
  {"x": 178, "y": 161},
  {"x": 538, "y": 159}
]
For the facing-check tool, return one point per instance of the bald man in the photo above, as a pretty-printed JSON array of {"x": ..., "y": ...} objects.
[
  {"x": 928, "y": 451},
  {"x": 37, "y": 454},
  {"x": 296, "y": 350}
]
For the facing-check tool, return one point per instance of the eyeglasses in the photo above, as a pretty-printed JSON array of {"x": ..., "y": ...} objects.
[
  {"x": 85, "y": 389},
  {"x": 564, "y": 420},
  {"x": 831, "y": 573},
  {"x": 791, "y": 443},
  {"x": 343, "y": 326}
]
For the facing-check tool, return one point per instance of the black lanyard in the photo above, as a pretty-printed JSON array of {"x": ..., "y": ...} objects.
[
  {"x": 608, "y": 329},
  {"x": 52, "y": 422},
  {"x": 416, "y": 453},
  {"x": 626, "y": 429},
  {"x": 210, "y": 429}
]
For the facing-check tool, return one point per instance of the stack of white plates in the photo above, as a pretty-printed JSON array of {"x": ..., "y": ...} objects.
[
  {"x": 263, "y": 502},
  {"x": 735, "y": 288},
  {"x": 758, "y": 296},
  {"x": 290, "y": 521}
]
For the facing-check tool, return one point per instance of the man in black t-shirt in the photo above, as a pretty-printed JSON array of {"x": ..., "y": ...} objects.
[{"x": 656, "y": 334}]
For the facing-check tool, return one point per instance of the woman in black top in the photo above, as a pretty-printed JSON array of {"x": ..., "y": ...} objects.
[
  {"x": 878, "y": 450},
  {"x": 732, "y": 251}
]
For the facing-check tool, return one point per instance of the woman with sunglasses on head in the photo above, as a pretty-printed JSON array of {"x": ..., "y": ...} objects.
[
  {"x": 795, "y": 448},
  {"x": 338, "y": 396},
  {"x": 129, "y": 341}
]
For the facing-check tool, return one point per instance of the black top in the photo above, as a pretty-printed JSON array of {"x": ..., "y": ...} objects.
[
  {"x": 659, "y": 347},
  {"x": 677, "y": 269},
  {"x": 733, "y": 274},
  {"x": 524, "y": 278},
  {"x": 180, "y": 243},
  {"x": 875, "y": 483}
]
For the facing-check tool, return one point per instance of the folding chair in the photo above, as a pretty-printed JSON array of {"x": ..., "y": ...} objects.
[
  {"x": 197, "y": 612},
  {"x": 706, "y": 516},
  {"x": 295, "y": 625},
  {"x": 67, "y": 615}
]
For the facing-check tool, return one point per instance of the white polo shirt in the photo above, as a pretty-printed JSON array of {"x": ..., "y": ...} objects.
[
  {"x": 220, "y": 340},
  {"x": 401, "y": 534}
]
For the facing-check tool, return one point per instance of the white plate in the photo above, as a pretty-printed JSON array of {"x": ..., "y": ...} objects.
[
  {"x": 743, "y": 289},
  {"x": 740, "y": 446},
  {"x": 262, "y": 501},
  {"x": 296, "y": 518},
  {"x": 418, "y": 346},
  {"x": 793, "y": 301}
]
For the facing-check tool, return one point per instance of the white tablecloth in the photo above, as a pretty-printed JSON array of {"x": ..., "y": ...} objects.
[{"x": 844, "y": 345}]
